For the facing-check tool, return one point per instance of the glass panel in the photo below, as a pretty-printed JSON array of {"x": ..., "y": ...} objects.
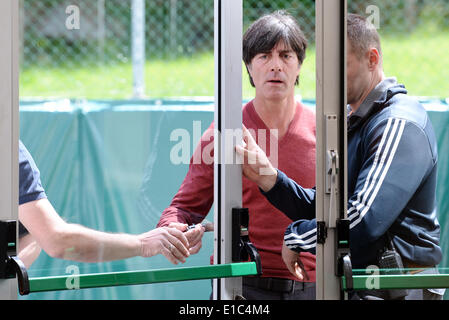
[
  {"x": 413, "y": 52},
  {"x": 111, "y": 155},
  {"x": 291, "y": 148},
  {"x": 111, "y": 152},
  {"x": 113, "y": 138}
]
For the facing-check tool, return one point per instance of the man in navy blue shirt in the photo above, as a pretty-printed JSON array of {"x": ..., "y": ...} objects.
[
  {"x": 41, "y": 227},
  {"x": 392, "y": 167}
]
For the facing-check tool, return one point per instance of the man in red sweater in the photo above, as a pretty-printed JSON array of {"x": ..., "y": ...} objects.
[{"x": 273, "y": 51}]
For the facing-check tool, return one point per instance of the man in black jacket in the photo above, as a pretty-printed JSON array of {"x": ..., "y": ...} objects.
[{"x": 392, "y": 171}]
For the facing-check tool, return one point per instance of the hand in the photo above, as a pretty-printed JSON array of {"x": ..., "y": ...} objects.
[
  {"x": 171, "y": 242},
  {"x": 256, "y": 165},
  {"x": 194, "y": 236},
  {"x": 293, "y": 263}
]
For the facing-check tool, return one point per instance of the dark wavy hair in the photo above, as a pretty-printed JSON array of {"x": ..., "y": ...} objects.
[{"x": 267, "y": 31}]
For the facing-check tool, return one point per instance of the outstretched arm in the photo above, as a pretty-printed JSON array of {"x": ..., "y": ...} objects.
[
  {"x": 390, "y": 175},
  {"x": 75, "y": 242},
  {"x": 195, "y": 197}
]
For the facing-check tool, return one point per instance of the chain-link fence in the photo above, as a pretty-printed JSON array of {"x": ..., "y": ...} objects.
[
  {"x": 62, "y": 38},
  {"x": 173, "y": 28}
]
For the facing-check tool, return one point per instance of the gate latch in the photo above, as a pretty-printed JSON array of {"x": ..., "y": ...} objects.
[
  {"x": 10, "y": 264},
  {"x": 242, "y": 248}
]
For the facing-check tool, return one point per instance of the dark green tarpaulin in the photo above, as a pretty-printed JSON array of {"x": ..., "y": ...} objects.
[
  {"x": 110, "y": 166},
  {"x": 107, "y": 166}
]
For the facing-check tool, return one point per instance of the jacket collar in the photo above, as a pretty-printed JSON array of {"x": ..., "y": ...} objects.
[{"x": 383, "y": 92}]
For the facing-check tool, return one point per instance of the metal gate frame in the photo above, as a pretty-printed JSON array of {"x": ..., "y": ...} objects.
[
  {"x": 228, "y": 27},
  {"x": 9, "y": 123},
  {"x": 331, "y": 142}
]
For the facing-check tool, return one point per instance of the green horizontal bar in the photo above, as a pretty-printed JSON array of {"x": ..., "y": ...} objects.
[
  {"x": 399, "y": 281},
  {"x": 126, "y": 278}
]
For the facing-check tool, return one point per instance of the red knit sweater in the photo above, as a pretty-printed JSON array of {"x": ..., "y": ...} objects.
[{"x": 296, "y": 158}]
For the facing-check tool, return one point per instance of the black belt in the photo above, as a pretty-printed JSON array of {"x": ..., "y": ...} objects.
[{"x": 271, "y": 284}]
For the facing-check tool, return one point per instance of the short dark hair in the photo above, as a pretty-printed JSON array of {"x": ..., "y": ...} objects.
[
  {"x": 362, "y": 35},
  {"x": 267, "y": 31}
]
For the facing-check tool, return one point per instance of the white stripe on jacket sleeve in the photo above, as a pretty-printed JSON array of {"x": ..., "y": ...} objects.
[{"x": 380, "y": 169}]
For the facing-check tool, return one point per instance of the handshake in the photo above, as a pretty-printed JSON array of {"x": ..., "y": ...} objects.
[
  {"x": 257, "y": 168},
  {"x": 176, "y": 242}
]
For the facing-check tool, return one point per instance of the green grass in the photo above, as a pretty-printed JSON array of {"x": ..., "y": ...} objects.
[
  {"x": 419, "y": 60},
  {"x": 171, "y": 78}
]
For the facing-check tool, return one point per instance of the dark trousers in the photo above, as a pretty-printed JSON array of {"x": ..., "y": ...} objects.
[{"x": 255, "y": 288}]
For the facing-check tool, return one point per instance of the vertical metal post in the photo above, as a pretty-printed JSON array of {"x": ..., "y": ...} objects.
[
  {"x": 228, "y": 121},
  {"x": 101, "y": 29},
  {"x": 21, "y": 30},
  {"x": 138, "y": 47},
  {"x": 331, "y": 195},
  {"x": 173, "y": 27},
  {"x": 9, "y": 122}
]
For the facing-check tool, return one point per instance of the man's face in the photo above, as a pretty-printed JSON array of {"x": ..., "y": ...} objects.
[
  {"x": 357, "y": 74},
  {"x": 274, "y": 73}
]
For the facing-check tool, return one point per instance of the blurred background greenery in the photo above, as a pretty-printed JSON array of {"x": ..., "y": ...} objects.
[{"x": 94, "y": 62}]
